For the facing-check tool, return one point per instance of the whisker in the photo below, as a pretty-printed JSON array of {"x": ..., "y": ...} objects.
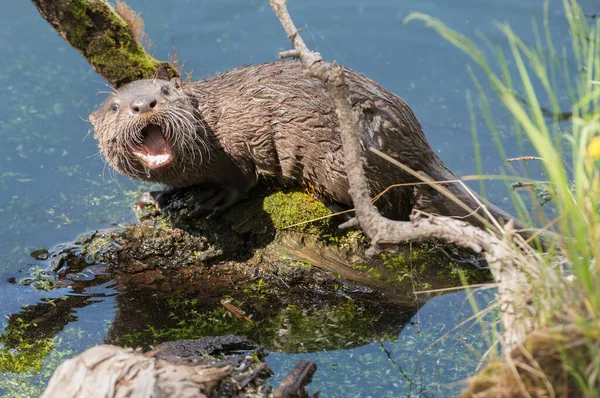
[
  {"x": 86, "y": 135},
  {"x": 105, "y": 84},
  {"x": 97, "y": 154}
]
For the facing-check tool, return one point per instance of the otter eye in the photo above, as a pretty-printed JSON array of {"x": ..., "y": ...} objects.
[
  {"x": 164, "y": 90},
  {"x": 114, "y": 107}
]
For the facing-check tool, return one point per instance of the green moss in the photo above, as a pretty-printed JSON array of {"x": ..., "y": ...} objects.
[
  {"x": 194, "y": 325},
  {"x": 18, "y": 353},
  {"x": 256, "y": 290},
  {"x": 280, "y": 210},
  {"x": 397, "y": 262},
  {"x": 28, "y": 370},
  {"x": 27, "y": 357},
  {"x": 375, "y": 272},
  {"x": 290, "y": 208},
  {"x": 40, "y": 278},
  {"x": 95, "y": 246},
  {"x": 352, "y": 240},
  {"x": 77, "y": 36},
  {"x": 429, "y": 266},
  {"x": 114, "y": 52},
  {"x": 118, "y": 58},
  {"x": 302, "y": 264}
]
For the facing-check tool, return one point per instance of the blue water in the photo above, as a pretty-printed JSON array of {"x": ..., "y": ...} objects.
[{"x": 54, "y": 186}]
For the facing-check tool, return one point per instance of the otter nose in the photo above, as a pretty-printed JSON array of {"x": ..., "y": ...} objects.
[{"x": 143, "y": 103}]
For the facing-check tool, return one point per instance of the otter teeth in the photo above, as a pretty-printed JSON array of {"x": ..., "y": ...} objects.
[
  {"x": 155, "y": 151},
  {"x": 154, "y": 161}
]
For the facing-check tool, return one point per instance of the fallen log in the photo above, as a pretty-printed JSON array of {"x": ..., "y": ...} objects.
[{"x": 178, "y": 369}]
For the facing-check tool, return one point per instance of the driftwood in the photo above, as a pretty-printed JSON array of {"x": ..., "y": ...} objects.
[
  {"x": 110, "y": 371},
  {"x": 180, "y": 370}
]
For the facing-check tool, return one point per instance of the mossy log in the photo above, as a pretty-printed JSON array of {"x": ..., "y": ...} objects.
[
  {"x": 104, "y": 39},
  {"x": 297, "y": 290}
]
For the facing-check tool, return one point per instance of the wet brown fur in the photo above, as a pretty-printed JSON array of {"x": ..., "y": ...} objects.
[{"x": 273, "y": 120}]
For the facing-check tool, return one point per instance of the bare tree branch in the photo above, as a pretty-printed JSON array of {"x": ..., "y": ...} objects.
[
  {"x": 509, "y": 266},
  {"x": 333, "y": 77}
]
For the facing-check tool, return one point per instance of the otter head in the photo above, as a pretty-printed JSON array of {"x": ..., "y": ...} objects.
[{"x": 148, "y": 130}]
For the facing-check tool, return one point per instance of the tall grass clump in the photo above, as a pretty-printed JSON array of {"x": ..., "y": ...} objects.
[{"x": 553, "y": 95}]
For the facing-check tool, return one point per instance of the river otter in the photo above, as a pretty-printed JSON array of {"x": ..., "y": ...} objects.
[{"x": 224, "y": 132}]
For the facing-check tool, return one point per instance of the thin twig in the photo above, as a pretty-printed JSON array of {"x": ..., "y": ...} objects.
[
  {"x": 480, "y": 286},
  {"x": 523, "y": 158}
]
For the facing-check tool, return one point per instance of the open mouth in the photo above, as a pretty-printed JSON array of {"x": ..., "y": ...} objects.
[{"x": 155, "y": 151}]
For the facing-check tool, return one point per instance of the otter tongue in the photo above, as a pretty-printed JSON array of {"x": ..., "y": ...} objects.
[{"x": 155, "y": 151}]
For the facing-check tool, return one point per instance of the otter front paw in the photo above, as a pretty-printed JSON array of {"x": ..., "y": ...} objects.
[
  {"x": 210, "y": 200},
  {"x": 207, "y": 200}
]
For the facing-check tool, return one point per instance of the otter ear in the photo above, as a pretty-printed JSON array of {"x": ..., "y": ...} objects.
[{"x": 176, "y": 81}]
